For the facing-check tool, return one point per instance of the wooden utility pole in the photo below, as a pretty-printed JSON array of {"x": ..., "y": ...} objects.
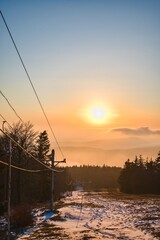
[
  {"x": 52, "y": 181},
  {"x": 9, "y": 189},
  {"x": 52, "y": 177},
  {"x": 9, "y": 184}
]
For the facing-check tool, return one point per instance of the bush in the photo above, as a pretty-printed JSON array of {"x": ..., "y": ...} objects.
[{"x": 21, "y": 216}]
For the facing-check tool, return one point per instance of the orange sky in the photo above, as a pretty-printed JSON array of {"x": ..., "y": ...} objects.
[{"x": 97, "y": 77}]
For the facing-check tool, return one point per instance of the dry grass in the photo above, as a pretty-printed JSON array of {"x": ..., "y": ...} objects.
[{"x": 47, "y": 231}]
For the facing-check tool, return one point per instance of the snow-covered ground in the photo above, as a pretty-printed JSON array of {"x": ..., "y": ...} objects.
[{"x": 100, "y": 215}]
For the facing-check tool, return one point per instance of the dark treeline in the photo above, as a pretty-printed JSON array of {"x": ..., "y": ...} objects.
[
  {"x": 27, "y": 187},
  {"x": 141, "y": 176},
  {"x": 94, "y": 177}
]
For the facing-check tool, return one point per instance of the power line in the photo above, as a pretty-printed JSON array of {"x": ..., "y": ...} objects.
[
  {"x": 57, "y": 162},
  {"x": 2, "y": 117},
  {"x": 21, "y": 169},
  {"x": 5, "y": 120},
  {"x": 11, "y": 106},
  {"x": 27, "y": 152},
  {"x": 28, "y": 76}
]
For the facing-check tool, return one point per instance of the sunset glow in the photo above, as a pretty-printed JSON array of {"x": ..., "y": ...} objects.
[
  {"x": 97, "y": 115},
  {"x": 94, "y": 65}
]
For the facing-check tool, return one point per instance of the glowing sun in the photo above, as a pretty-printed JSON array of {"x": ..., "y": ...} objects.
[{"x": 97, "y": 115}]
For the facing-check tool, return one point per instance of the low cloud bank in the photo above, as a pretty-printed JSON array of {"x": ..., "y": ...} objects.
[{"x": 137, "y": 131}]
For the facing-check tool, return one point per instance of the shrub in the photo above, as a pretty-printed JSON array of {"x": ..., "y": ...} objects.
[{"x": 21, "y": 216}]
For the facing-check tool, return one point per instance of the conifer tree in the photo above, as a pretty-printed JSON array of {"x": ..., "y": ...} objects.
[{"x": 43, "y": 146}]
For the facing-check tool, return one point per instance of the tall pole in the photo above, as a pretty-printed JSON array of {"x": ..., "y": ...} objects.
[
  {"x": 9, "y": 189},
  {"x": 52, "y": 181},
  {"x": 5, "y": 179},
  {"x": 9, "y": 185}
]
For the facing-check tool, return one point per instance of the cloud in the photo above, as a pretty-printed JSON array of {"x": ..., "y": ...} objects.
[{"x": 137, "y": 131}]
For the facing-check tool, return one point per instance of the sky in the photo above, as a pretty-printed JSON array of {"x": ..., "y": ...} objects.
[{"x": 94, "y": 65}]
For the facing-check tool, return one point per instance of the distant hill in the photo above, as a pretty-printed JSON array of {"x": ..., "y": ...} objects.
[
  {"x": 78, "y": 155},
  {"x": 116, "y": 143},
  {"x": 123, "y": 143}
]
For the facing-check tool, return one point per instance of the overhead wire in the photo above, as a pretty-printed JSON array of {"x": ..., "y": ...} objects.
[
  {"x": 17, "y": 143},
  {"x": 28, "y": 152},
  {"x": 29, "y": 78},
  {"x": 5, "y": 120},
  {"x": 21, "y": 169},
  {"x": 11, "y": 106},
  {"x": 2, "y": 117}
]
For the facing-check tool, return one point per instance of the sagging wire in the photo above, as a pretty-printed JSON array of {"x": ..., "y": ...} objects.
[
  {"x": 21, "y": 169},
  {"x": 28, "y": 152},
  {"x": 11, "y": 106},
  {"x": 29, "y": 78}
]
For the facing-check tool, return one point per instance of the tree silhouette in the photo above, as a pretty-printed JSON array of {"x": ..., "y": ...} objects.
[
  {"x": 27, "y": 187},
  {"x": 140, "y": 176},
  {"x": 43, "y": 146}
]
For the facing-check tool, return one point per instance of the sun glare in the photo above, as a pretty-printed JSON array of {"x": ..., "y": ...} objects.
[{"x": 97, "y": 114}]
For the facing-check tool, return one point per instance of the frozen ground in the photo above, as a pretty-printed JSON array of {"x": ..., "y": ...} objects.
[{"x": 100, "y": 215}]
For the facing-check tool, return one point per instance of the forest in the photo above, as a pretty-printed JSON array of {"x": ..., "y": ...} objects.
[
  {"x": 95, "y": 177},
  {"x": 141, "y": 176}
]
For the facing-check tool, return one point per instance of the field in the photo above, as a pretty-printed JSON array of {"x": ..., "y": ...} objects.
[{"x": 99, "y": 215}]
